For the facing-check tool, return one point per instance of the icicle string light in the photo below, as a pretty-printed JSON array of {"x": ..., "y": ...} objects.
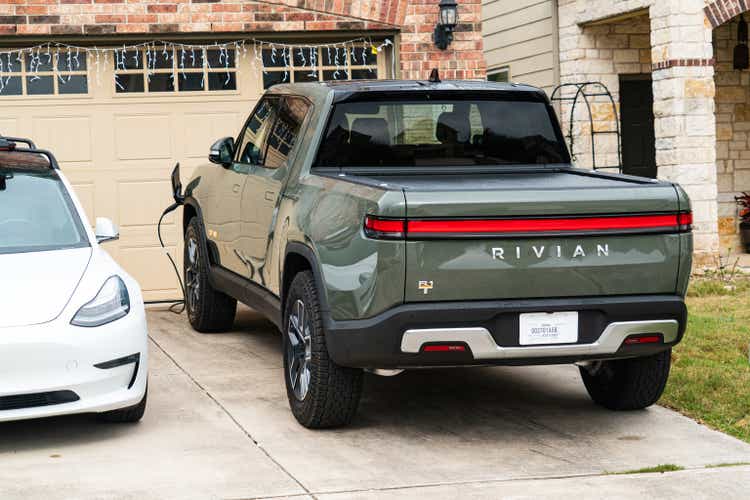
[{"x": 58, "y": 58}]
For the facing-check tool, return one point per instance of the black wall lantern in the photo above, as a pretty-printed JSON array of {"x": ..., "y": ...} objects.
[
  {"x": 741, "y": 60},
  {"x": 447, "y": 21}
]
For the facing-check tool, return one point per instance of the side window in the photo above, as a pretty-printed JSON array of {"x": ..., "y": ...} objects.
[
  {"x": 251, "y": 142},
  {"x": 286, "y": 130}
]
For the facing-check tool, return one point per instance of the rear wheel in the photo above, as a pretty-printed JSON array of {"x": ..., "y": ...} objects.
[
  {"x": 321, "y": 393},
  {"x": 627, "y": 384},
  {"x": 208, "y": 309}
]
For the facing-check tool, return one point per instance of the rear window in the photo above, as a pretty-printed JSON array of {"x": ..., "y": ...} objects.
[
  {"x": 36, "y": 212},
  {"x": 441, "y": 133}
]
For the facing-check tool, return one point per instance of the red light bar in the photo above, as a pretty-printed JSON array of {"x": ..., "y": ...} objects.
[
  {"x": 643, "y": 339},
  {"x": 474, "y": 226},
  {"x": 444, "y": 348}
]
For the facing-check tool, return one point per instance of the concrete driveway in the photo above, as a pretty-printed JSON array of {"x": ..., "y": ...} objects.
[{"x": 218, "y": 426}]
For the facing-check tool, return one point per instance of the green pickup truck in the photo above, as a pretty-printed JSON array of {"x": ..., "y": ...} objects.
[{"x": 391, "y": 225}]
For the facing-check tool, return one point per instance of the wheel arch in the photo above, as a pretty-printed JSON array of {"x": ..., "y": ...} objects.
[{"x": 299, "y": 257}]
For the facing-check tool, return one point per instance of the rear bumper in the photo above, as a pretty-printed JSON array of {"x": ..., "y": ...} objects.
[{"x": 489, "y": 330}]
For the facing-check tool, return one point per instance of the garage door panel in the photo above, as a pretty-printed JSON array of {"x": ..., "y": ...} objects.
[
  {"x": 201, "y": 129},
  {"x": 142, "y": 202},
  {"x": 139, "y": 137},
  {"x": 69, "y": 137},
  {"x": 151, "y": 268},
  {"x": 86, "y": 195},
  {"x": 134, "y": 237},
  {"x": 9, "y": 126}
]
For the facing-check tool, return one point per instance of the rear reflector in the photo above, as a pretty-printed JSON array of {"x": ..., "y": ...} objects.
[
  {"x": 643, "y": 339},
  {"x": 399, "y": 228},
  {"x": 444, "y": 348}
]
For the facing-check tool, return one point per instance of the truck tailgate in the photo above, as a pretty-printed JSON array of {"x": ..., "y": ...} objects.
[{"x": 532, "y": 235}]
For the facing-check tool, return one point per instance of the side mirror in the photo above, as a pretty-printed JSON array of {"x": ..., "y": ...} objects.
[
  {"x": 106, "y": 230},
  {"x": 222, "y": 152}
]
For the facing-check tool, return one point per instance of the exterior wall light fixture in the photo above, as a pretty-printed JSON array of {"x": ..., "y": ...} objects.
[{"x": 447, "y": 21}]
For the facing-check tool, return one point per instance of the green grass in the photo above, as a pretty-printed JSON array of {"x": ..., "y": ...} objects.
[
  {"x": 657, "y": 468},
  {"x": 710, "y": 377}
]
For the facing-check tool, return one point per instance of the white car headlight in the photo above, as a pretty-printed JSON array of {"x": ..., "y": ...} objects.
[{"x": 111, "y": 303}]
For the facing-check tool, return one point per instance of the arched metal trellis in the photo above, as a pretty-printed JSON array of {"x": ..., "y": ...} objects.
[{"x": 584, "y": 91}]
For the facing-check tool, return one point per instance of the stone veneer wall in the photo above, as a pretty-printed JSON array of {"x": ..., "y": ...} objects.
[
  {"x": 682, "y": 73},
  {"x": 732, "y": 133},
  {"x": 601, "y": 53}
]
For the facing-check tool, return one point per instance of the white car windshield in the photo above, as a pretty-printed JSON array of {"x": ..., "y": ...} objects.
[{"x": 36, "y": 212}]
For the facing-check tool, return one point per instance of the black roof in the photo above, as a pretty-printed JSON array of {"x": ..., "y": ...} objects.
[
  {"x": 347, "y": 89},
  {"x": 406, "y": 85}
]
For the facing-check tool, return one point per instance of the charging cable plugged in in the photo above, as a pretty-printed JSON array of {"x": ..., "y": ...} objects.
[{"x": 177, "y": 306}]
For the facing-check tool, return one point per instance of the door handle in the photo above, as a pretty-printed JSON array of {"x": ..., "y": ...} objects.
[{"x": 236, "y": 188}]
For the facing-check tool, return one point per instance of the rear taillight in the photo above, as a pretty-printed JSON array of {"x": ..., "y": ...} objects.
[
  {"x": 685, "y": 221},
  {"x": 389, "y": 229},
  {"x": 392, "y": 228}
]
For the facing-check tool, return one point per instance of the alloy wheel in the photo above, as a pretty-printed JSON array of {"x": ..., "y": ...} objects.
[
  {"x": 300, "y": 350},
  {"x": 192, "y": 284}
]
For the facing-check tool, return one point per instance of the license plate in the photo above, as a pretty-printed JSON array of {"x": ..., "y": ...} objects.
[{"x": 548, "y": 328}]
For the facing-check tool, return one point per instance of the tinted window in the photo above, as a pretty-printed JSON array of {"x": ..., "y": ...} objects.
[
  {"x": 285, "y": 131},
  {"x": 36, "y": 213},
  {"x": 250, "y": 145},
  {"x": 441, "y": 133}
]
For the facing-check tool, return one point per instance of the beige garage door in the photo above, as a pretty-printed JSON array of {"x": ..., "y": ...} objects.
[{"x": 118, "y": 131}]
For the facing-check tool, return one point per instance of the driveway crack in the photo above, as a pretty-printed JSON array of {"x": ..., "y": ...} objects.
[{"x": 231, "y": 417}]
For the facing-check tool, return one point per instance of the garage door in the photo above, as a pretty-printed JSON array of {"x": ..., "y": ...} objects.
[{"x": 119, "y": 130}]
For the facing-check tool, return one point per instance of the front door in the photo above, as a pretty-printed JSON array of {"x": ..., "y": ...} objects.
[{"x": 637, "y": 117}]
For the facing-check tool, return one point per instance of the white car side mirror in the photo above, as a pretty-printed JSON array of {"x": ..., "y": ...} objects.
[{"x": 106, "y": 230}]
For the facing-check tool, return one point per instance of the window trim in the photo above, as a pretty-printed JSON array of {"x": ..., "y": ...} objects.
[
  {"x": 347, "y": 67},
  {"x": 176, "y": 92},
  {"x": 55, "y": 73}
]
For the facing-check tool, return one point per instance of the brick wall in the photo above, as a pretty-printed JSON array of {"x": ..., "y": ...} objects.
[
  {"x": 464, "y": 58},
  {"x": 414, "y": 19}
]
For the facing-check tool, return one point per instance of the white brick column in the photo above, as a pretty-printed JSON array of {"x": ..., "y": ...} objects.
[{"x": 685, "y": 126}]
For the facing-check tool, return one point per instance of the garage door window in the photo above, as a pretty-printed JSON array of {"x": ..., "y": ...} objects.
[
  {"x": 177, "y": 71},
  {"x": 43, "y": 73},
  {"x": 312, "y": 64}
]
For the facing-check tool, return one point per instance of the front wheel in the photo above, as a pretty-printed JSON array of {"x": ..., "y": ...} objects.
[
  {"x": 208, "y": 309},
  {"x": 627, "y": 384},
  {"x": 321, "y": 393},
  {"x": 130, "y": 414}
]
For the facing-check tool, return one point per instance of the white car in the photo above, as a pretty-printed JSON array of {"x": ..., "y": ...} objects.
[{"x": 73, "y": 335}]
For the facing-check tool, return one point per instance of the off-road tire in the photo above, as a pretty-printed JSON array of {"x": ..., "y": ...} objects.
[
  {"x": 211, "y": 310},
  {"x": 131, "y": 414},
  {"x": 333, "y": 391},
  {"x": 627, "y": 384}
]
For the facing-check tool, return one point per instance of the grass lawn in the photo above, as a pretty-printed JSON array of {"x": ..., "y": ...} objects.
[{"x": 710, "y": 377}]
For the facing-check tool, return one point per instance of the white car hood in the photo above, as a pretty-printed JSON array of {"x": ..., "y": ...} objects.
[{"x": 36, "y": 286}]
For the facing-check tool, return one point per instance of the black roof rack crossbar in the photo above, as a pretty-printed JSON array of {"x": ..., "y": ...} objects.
[
  {"x": 48, "y": 154},
  {"x": 22, "y": 140}
]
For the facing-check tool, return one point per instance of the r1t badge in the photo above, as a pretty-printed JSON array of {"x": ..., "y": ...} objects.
[{"x": 425, "y": 286}]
